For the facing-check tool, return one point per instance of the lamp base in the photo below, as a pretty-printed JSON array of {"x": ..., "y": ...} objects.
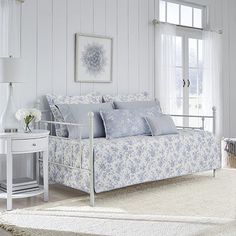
[
  {"x": 8, "y": 121},
  {"x": 10, "y": 130}
]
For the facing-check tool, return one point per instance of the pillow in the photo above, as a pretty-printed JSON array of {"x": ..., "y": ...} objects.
[
  {"x": 161, "y": 125},
  {"x": 123, "y": 123},
  {"x": 127, "y": 98},
  {"x": 137, "y": 105},
  {"x": 78, "y": 113},
  {"x": 61, "y": 130}
]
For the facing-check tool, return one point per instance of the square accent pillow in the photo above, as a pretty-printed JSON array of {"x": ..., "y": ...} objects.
[
  {"x": 144, "y": 96},
  {"x": 78, "y": 113},
  {"x": 53, "y": 100},
  {"x": 161, "y": 125},
  {"x": 122, "y": 123}
]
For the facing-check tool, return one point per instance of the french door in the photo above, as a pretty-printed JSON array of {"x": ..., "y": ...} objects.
[{"x": 189, "y": 74}]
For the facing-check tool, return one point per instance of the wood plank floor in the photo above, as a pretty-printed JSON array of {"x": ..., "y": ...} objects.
[{"x": 56, "y": 193}]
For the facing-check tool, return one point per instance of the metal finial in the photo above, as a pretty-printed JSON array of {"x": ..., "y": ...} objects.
[{"x": 155, "y": 21}]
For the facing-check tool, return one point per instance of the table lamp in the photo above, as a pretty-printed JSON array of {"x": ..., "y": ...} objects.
[{"x": 9, "y": 74}]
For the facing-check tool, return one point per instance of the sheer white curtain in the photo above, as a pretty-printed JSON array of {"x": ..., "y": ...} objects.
[
  {"x": 166, "y": 90},
  {"x": 4, "y": 27},
  {"x": 212, "y": 77}
]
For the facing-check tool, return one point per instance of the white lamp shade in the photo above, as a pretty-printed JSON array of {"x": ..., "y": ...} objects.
[{"x": 9, "y": 70}]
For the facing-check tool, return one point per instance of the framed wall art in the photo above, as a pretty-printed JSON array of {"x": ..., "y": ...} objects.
[{"x": 93, "y": 59}]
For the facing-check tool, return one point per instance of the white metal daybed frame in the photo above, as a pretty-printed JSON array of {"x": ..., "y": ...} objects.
[{"x": 91, "y": 140}]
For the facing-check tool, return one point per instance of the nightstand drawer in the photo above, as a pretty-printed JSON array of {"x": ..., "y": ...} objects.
[{"x": 29, "y": 145}]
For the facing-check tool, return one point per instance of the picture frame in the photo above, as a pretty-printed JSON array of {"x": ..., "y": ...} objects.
[{"x": 93, "y": 58}]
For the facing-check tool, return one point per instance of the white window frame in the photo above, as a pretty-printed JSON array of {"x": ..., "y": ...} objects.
[{"x": 193, "y": 5}]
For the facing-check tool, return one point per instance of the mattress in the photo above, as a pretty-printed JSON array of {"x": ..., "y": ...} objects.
[{"x": 132, "y": 160}]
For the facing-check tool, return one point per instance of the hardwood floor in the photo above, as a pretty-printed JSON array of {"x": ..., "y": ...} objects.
[
  {"x": 56, "y": 193},
  {"x": 4, "y": 233}
]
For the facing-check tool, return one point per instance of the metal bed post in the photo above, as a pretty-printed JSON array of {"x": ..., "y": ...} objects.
[
  {"x": 214, "y": 173},
  {"x": 214, "y": 132},
  {"x": 214, "y": 119},
  {"x": 91, "y": 159},
  {"x": 203, "y": 123},
  {"x": 37, "y": 155}
]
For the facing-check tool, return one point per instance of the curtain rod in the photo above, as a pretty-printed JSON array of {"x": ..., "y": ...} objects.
[{"x": 156, "y": 22}]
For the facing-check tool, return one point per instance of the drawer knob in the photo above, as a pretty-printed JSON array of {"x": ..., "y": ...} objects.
[{"x": 34, "y": 144}]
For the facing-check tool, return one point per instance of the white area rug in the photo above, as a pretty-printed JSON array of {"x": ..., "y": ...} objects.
[{"x": 190, "y": 205}]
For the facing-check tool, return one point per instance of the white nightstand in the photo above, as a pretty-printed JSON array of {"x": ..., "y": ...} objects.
[{"x": 21, "y": 143}]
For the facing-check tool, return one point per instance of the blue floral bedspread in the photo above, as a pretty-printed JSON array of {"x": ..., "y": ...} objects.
[{"x": 132, "y": 160}]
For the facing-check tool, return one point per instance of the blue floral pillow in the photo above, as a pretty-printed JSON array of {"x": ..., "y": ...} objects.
[
  {"x": 123, "y": 123},
  {"x": 144, "y": 96}
]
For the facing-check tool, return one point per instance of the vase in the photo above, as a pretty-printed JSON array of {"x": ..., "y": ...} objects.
[
  {"x": 27, "y": 128},
  {"x": 8, "y": 121}
]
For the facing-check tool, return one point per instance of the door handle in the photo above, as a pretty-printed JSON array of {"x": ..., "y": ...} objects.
[
  {"x": 184, "y": 83},
  {"x": 188, "y": 83}
]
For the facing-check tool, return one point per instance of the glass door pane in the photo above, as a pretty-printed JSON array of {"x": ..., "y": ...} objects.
[{"x": 195, "y": 80}]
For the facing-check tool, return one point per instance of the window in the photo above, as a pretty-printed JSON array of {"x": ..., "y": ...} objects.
[
  {"x": 173, "y": 13},
  {"x": 188, "y": 58},
  {"x": 195, "y": 77},
  {"x": 184, "y": 14}
]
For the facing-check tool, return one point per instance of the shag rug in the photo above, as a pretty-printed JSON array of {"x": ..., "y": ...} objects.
[{"x": 191, "y": 205}]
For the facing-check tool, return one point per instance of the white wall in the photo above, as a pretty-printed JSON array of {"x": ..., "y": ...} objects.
[
  {"x": 229, "y": 66},
  {"x": 48, "y": 37}
]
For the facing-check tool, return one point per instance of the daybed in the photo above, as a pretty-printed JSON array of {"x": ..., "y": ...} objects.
[{"x": 98, "y": 165}]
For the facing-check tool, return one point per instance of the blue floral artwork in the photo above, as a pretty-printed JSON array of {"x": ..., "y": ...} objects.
[{"x": 94, "y": 58}]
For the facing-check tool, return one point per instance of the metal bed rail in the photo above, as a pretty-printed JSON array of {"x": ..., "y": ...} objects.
[{"x": 203, "y": 119}]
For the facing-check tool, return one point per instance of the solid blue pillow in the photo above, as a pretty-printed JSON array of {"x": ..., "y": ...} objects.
[
  {"x": 137, "y": 105},
  {"x": 78, "y": 113},
  {"x": 122, "y": 123}
]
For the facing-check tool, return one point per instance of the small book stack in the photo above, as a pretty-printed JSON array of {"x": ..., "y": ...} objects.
[{"x": 21, "y": 185}]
